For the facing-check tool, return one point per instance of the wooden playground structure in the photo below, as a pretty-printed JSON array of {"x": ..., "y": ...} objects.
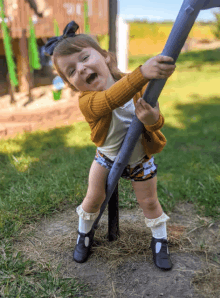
[{"x": 43, "y": 14}]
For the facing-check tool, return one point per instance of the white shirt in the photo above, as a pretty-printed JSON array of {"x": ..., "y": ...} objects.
[{"x": 121, "y": 120}]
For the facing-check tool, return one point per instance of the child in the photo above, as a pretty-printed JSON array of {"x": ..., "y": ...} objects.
[{"x": 108, "y": 100}]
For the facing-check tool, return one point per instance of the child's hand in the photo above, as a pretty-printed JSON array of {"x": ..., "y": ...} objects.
[
  {"x": 157, "y": 68},
  {"x": 145, "y": 113}
]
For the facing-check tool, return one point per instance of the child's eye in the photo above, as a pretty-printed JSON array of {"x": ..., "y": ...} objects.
[
  {"x": 85, "y": 57},
  {"x": 71, "y": 72}
]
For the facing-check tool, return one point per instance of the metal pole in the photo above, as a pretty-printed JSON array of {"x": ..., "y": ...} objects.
[
  {"x": 113, "y": 11},
  {"x": 113, "y": 216},
  {"x": 181, "y": 28},
  {"x": 113, "y": 212}
]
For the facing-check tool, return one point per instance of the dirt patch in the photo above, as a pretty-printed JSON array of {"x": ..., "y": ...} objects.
[
  {"x": 43, "y": 113},
  {"x": 203, "y": 44},
  {"x": 124, "y": 268}
]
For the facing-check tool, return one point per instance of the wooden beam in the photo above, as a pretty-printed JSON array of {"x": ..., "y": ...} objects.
[
  {"x": 2, "y": 50},
  {"x": 25, "y": 77}
]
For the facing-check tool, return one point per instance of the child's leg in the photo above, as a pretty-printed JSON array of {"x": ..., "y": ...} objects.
[
  {"x": 96, "y": 189},
  {"x": 146, "y": 194},
  {"x": 155, "y": 218},
  {"x": 88, "y": 211}
]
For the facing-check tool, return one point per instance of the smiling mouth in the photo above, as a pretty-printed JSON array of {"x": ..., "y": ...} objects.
[{"x": 91, "y": 78}]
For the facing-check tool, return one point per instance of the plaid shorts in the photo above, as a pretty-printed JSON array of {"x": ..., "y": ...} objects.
[{"x": 143, "y": 170}]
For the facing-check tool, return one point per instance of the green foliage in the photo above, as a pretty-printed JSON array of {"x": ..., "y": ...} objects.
[
  {"x": 34, "y": 59},
  {"x": 146, "y": 30},
  {"x": 8, "y": 48},
  {"x": 56, "y": 28},
  {"x": 103, "y": 41},
  {"x": 216, "y": 30},
  {"x": 25, "y": 279},
  {"x": 86, "y": 18}
]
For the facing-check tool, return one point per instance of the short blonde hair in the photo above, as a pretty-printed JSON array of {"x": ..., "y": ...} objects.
[{"x": 71, "y": 45}]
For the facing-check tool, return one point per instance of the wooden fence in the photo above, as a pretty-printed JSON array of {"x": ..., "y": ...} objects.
[{"x": 18, "y": 13}]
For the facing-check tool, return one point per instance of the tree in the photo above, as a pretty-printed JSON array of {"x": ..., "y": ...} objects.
[{"x": 216, "y": 30}]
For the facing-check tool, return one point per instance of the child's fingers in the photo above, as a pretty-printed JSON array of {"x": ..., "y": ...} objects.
[
  {"x": 166, "y": 67},
  {"x": 143, "y": 104},
  {"x": 161, "y": 59},
  {"x": 165, "y": 73}
]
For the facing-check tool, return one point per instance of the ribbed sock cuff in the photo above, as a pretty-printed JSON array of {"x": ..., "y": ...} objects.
[
  {"x": 85, "y": 215},
  {"x": 156, "y": 221}
]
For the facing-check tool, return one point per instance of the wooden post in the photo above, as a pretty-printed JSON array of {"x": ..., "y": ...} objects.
[
  {"x": 24, "y": 75},
  {"x": 113, "y": 212}
]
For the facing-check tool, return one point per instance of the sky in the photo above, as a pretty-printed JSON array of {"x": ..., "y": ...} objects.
[{"x": 156, "y": 10}]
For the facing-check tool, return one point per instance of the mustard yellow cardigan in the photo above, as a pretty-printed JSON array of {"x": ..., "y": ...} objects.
[{"x": 97, "y": 107}]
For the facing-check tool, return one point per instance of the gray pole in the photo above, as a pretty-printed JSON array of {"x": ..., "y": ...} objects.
[
  {"x": 113, "y": 11},
  {"x": 113, "y": 212}
]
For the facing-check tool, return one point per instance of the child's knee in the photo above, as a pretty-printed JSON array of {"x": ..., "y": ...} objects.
[
  {"x": 93, "y": 203},
  {"x": 149, "y": 198}
]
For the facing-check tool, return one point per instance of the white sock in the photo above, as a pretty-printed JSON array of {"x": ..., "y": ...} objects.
[
  {"x": 86, "y": 221},
  {"x": 85, "y": 226},
  {"x": 159, "y": 232},
  {"x": 158, "y": 228}
]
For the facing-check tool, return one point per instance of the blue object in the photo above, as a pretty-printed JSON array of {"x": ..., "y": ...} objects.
[
  {"x": 58, "y": 83},
  {"x": 179, "y": 33},
  {"x": 211, "y": 4}
]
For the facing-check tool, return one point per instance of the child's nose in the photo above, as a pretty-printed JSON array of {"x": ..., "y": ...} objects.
[{"x": 80, "y": 67}]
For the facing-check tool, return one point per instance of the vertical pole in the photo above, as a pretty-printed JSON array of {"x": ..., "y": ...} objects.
[
  {"x": 113, "y": 216},
  {"x": 113, "y": 213},
  {"x": 113, "y": 11},
  {"x": 25, "y": 76}
]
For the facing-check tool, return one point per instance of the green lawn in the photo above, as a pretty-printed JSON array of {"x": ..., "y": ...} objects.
[
  {"x": 44, "y": 172},
  {"x": 147, "y": 38}
]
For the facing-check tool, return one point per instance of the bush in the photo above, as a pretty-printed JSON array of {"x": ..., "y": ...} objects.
[{"x": 216, "y": 30}]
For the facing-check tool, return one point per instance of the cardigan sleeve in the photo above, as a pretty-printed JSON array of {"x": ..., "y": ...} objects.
[
  {"x": 96, "y": 104},
  {"x": 156, "y": 126}
]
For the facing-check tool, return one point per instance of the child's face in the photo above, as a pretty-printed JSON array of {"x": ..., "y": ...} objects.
[{"x": 86, "y": 70}]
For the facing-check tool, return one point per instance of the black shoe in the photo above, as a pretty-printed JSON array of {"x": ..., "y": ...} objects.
[
  {"x": 82, "y": 252},
  {"x": 162, "y": 258}
]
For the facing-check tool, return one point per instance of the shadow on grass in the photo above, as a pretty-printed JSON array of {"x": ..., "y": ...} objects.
[
  {"x": 42, "y": 172},
  {"x": 195, "y": 58},
  {"x": 200, "y": 57},
  {"x": 189, "y": 166}
]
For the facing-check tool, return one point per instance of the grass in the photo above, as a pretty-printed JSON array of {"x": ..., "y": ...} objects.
[
  {"x": 27, "y": 279},
  {"x": 148, "y": 38},
  {"x": 145, "y": 38},
  {"x": 190, "y": 104},
  {"x": 46, "y": 172},
  {"x": 162, "y": 30}
]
